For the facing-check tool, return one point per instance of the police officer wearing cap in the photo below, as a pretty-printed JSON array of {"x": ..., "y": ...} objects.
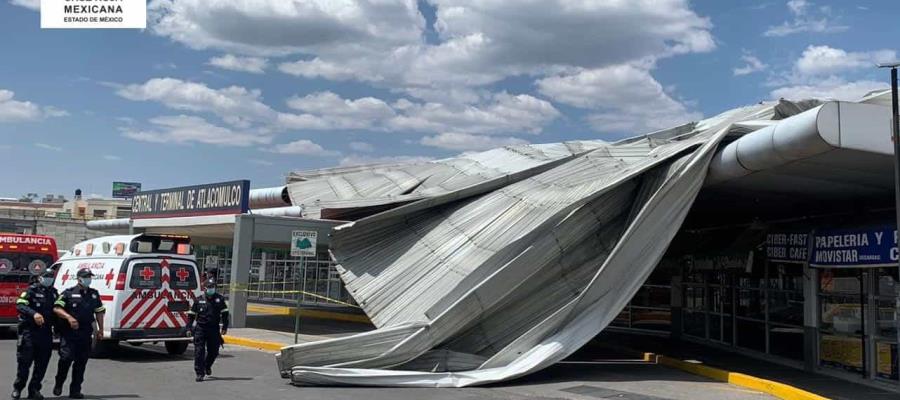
[
  {"x": 35, "y": 307},
  {"x": 78, "y": 307},
  {"x": 208, "y": 311}
]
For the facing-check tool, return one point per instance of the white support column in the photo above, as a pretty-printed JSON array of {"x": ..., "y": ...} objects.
[{"x": 240, "y": 269}]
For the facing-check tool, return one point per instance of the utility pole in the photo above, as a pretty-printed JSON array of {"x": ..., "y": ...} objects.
[{"x": 895, "y": 137}]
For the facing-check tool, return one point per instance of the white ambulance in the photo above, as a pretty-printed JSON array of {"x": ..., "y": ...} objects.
[{"x": 146, "y": 282}]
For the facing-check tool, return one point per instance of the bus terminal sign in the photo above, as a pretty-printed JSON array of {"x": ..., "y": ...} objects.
[
  {"x": 222, "y": 198},
  {"x": 855, "y": 248}
]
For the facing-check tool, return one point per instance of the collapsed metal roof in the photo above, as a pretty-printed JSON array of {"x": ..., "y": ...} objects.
[{"x": 486, "y": 267}]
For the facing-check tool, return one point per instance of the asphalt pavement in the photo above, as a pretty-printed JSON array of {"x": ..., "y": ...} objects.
[{"x": 147, "y": 372}]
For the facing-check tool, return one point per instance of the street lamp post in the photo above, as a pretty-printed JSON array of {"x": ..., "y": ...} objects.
[{"x": 895, "y": 137}]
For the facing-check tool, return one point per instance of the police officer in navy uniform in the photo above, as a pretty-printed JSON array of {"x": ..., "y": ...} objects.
[
  {"x": 78, "y": 307},
  {"x": 208, "y": 311},
  {"x": 35, "y": 307}
]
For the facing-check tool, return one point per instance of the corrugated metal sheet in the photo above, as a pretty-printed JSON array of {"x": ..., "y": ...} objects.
[
  {"x": 337, "y": 189},
  {"x": 509, "y": 267}
]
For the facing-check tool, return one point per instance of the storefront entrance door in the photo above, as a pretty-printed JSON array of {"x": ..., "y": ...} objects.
[{"x": 857, "y": 326}]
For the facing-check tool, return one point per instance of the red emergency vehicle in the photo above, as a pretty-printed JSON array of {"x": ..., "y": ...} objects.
[{"x": 21, "y": 257}]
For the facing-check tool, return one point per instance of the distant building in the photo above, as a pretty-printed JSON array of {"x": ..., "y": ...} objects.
[
  {"x": 90, "y": 208},
  {"x": 55, "y": 216}
]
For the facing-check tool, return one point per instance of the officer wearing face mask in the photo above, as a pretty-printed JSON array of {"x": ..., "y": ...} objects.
[
  {"x": 207, "y": 311},
  {"x": 78, "y": 306},
  {"x": 35, "y": 307}
]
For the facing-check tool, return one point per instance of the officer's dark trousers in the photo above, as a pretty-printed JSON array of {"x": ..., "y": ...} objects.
[
  {"x": 33, "y": 348},
  {"x": 74, "y": 348},
  {"x": 206, "y": 348}
]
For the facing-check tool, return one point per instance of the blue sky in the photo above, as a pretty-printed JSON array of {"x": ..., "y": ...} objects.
[{"x": 253, "y": 89}]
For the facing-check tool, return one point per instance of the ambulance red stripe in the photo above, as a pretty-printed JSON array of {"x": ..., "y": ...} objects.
[
  {"x": 148, "y": 320},
  {"x": 147, "y": 311},
  {"x": 129, "y": 312},
  {"x": 161, "y": 314}
]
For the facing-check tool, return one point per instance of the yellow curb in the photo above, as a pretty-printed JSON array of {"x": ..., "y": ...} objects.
[
  {"x": 318, "y": 314},
  {"x": 253, "y": 343},
  {"x": 777, "y": 389}
]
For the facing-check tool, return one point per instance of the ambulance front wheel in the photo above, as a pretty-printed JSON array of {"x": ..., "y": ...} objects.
[{"x": 176, "y": 348}]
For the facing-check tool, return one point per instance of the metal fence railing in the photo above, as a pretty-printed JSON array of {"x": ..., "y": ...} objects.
[{"x": 282, "y": 280}]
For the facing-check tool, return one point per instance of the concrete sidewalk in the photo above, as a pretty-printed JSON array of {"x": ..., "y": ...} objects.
[
  {"x": 338, "y": 313},
  {"x": 271, "y": 340},
  {"x": 270, "y": 331},
  {"x": 820, "y": 384}
]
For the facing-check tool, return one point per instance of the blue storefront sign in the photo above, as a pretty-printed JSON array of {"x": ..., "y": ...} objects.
[
  {"x": 868, "y": 247},
  {"x": 787, "y": 247}
]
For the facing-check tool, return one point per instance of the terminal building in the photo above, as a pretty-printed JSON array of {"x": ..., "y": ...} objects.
[{"x": 789, "y": 251}]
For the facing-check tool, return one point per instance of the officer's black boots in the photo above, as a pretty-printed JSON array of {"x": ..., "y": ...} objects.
[
  {"x": 199, "y": 378},
  {"x": 76, "y": 396},
  {"x": 16, "y": 394},
  {"x": 57, "y": 389},
  {"x": 35, "y": 396},
  {"x": 208, "y": 371}
]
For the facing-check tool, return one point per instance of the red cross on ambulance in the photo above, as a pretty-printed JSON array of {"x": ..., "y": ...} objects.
[
  {"x": 109, "y": 277},
  {"x": 182, "y": 274},
  {"x": 147, "y": 273}
]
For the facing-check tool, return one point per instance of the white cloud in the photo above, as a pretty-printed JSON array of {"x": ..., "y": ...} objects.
[
  {"x": 341, "y": 113},
  {"x": 316, "y": 68},
  {"x": 502, "y": 113},
  {"x": 361, "y": 147},
  {"x": 805, "y": 19},
  {"x": 467, "y": 142},
  {"x": 279, "y": 27},
  {"x": 828, "y": 89},
  {"x": 12, "y": 110},
  {"x": 828, "y": 73},
  {"x": 302, "y": 147},
  {"x": 356, "y": 159},
  {"x": 798, "y": 7},
  {"x": 110, "y": 157},
  {"x": 751, "y": 64},
  {"x": 623, "y": 98},
  {"x": 253, "y": 65},
  {"x": 480, "y": 42},
  {"x": 823, "y": 60},
  {"x": 46, "y": 146},
  {"x": 498, "y": 114},
  {"x": 183, "y": 129},
  {"x": 234, "y": 104},
  {"x": 30, "y": 4}
]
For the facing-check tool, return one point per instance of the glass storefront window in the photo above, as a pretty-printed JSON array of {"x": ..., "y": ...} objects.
[
  {"x": 653, "y": 296},
  {"x": 694, "y": 299},
  {"x": 652, "y": 319},
  {"x": 784, "y": 293},
  {"x": 786, "y": 341},
  {"x": 843, "y": 352},
  {"x": 841, "y": 314},
  {"x": 786, "y": 307},
  {"x": 694, "y": 323},
  {"x": 751, "y": 335},
  {"x": 750, "y": 304},
  {"x": 886, "y": 356},
  {"x": 841, "y": 319},
  {"x": 887, "y": 288}
]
